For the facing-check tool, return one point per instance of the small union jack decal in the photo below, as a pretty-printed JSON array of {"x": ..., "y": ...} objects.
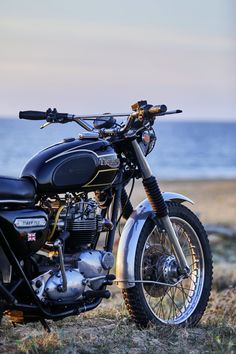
[{"x": 31, "y": 236}]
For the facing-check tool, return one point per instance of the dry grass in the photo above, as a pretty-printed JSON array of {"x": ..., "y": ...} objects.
[{"x": 108, "y": 329}]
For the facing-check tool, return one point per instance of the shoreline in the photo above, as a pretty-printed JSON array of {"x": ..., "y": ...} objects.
[{"x": 195, "y": 179}]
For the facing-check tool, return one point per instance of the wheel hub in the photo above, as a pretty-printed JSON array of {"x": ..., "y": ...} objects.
[
  {"x": 167, "y": 267},
  {"x": 162, "y": 268}
]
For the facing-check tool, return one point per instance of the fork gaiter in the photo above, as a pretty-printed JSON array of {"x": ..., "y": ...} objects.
[{"x": 155, "y": 196}]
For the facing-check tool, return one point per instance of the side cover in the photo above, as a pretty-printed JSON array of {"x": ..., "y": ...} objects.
[{"x": 129, "y": 239}]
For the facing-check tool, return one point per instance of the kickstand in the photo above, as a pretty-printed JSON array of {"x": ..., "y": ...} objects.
[{"x": 45, "y": 325}]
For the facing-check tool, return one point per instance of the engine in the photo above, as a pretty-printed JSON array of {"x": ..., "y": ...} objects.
[
  {"x": 77, "y": 267},
  {"x": 86, "y": 270},
  {"x": 83, "y": 220}
]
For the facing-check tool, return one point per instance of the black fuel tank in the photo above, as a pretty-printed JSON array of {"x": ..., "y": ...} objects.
[{"x": 73, "y": 165}]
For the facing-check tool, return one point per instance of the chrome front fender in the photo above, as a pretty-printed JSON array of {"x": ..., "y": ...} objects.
[{"x": 129, "y": 239}]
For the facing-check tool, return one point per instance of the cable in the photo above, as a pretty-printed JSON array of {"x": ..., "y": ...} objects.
[
  {"x": 55, "y": 222},
  {"x": 130, "y": 193}
]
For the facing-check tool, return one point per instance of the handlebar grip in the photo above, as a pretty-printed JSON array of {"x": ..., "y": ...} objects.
[
  {"x": 32, "y": 115},
  {"x": 158, "y": 109}
]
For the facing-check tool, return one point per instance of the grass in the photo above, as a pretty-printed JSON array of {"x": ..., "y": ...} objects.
[
  {"x": 98, "y": 334},
  {"x": 108, "y": 329}
]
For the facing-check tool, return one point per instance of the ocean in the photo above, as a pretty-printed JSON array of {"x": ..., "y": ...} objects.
[{"x": 184, "y": 150}]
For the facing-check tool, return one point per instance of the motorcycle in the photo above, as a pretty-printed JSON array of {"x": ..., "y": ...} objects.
[{"x": 72, "y": 195}]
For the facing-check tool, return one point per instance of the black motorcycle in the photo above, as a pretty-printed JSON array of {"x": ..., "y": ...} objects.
[{"x": 69, "y": 198}]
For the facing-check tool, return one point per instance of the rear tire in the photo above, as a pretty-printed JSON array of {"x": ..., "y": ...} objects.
[{"x": 185, "y": 303}]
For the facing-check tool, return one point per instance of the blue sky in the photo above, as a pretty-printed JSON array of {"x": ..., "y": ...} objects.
[{"x": 96, "y": 56}]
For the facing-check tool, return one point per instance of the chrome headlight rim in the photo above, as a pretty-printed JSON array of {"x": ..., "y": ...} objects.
[{"x": 147, "y": 141}]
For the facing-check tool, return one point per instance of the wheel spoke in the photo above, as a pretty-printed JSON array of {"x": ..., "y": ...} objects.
[
  {"x": 174, "y": 302},
  {"x": 196, "y": 261},
  {"x": 182, "y": 288},
  {"x": 185, "y": 297},
  {"x": 161, "y": 298},
  {"x": 190, "y": 276},
  {"x": 171, "y": 303}
]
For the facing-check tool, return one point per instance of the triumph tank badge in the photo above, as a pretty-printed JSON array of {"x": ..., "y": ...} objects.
[{"x": 111, "y": 161}]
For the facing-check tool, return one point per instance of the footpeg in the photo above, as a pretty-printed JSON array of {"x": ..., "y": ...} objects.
[
  {"x": 98, "y": 293},
  {"x": 109, "y": 279}
]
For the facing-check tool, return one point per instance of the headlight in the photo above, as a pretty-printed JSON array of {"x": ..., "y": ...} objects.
[{"x": 148, "y": 140}]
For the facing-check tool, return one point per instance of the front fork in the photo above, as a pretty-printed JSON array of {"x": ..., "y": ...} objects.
[{"x": 159, "y": 206}]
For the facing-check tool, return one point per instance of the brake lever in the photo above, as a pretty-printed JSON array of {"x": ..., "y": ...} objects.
[
  {"x": 45, "y": 125},
  {"x": 133, "y": 133}
]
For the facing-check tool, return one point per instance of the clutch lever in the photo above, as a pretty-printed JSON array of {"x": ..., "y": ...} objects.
[{"x": 45, "y": 125}]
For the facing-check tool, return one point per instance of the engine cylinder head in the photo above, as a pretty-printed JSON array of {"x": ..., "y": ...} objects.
[{"x": 82, "y": 221}]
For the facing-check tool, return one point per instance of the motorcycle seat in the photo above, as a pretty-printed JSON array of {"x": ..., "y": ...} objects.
[{"x": 16, "y": 190}]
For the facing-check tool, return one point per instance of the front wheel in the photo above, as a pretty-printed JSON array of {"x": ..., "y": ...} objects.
[{"x": 181, "y": 302}]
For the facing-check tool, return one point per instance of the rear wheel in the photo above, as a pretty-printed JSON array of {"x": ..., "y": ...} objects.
[{"x": 182, "y": 301}]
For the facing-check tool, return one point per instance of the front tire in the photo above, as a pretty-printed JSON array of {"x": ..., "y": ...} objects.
[{"x": 185, "y": 302}]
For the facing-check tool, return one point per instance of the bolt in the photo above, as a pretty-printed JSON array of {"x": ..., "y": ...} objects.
[{"x": 38, "y": 283}]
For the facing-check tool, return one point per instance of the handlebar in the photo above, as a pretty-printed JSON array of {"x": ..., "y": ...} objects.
[{"x": 142, "y": 112}]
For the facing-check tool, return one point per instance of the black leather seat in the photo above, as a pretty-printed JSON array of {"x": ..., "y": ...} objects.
[{"x": 16, "y": 190}]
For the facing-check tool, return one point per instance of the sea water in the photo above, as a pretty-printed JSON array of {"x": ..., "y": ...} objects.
[{"x": 184, "y": 150}]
